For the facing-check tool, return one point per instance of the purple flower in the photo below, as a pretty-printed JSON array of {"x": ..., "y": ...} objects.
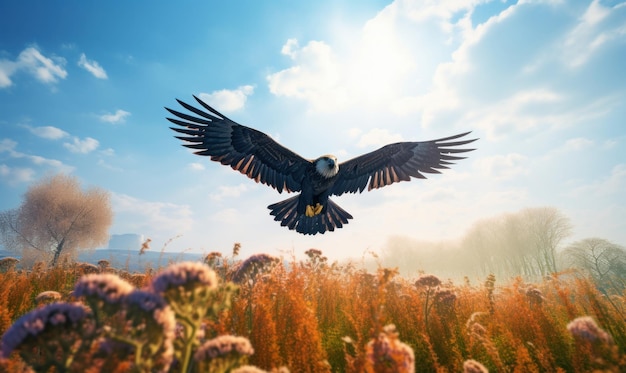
[
  {"x": 428, "y": 281},
  {"x": 188, "y": 274},
  {"x": 36, "y": 322},
  {"x": 445, "y": 297},
  {"x": 222, "y": 346},
  {"x": 252, "y": 265},
  {"x": 585, "y": 328},
  {"x": 108, "y": 287}
]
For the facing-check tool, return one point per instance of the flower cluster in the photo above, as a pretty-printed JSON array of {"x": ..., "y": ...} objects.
[
  {"x": 252, "y": 266},
  {"x": 53, "y": 330},
  {"x": 190, "y": 290},
  {"x": 87, "y": 268},
  {"x": 427, "y": 281},
  {"x": 223, "y": 346},
  {"x": 185, "y": 274},
  {"x": 473, "y": 366},
  {"x": 445, "y": 298},
  {"x": 585, "y": 328},
  {"x": 223, "y": 353},
  {"x": 534, "y": 296},
  {"x": 47, "y": 297},
  {"x": 8, "y": 263},
  {"x": 106, "y": 287},
  {"x": 387, "y": 353}
]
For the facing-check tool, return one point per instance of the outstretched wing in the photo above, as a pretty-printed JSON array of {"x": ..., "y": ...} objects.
[
  {"x": 245, "y": 149},
  {"x": 398, "y": 162}
]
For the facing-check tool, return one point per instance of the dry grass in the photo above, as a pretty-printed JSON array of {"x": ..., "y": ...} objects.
[{"x": 313, "y": 316}]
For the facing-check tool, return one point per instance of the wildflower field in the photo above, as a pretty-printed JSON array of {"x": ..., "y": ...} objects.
[{"x": 267, "y": 314}]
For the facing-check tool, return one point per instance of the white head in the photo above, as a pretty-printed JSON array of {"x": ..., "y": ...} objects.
[{"x": 327, "y": 165}]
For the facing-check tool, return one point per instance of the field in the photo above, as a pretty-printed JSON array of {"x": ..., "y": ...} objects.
[{"x": 304, "y": 316}]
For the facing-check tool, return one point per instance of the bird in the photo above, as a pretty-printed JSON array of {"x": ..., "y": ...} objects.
[{"x": 261, "y": 158}]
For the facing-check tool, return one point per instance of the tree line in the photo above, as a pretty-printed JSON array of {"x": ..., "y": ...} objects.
[{"x": 529, "y": 243}]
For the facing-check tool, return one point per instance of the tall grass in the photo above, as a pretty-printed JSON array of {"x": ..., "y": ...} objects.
[{"x": 316, "y": 316}]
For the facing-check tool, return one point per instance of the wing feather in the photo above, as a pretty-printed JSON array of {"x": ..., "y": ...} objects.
[
  {"x": 245, "y": 149},
  {"x": 399, "y": 162}
]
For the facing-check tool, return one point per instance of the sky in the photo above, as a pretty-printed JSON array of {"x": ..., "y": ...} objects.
[{"x": 542, "y": 84}]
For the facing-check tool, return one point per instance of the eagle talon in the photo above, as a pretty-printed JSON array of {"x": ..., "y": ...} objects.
[
  {"x": 311, "y": 210},
  {"x": 317, "y": 209}
]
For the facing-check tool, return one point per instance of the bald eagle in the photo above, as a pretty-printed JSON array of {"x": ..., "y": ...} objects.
[{"x": 262, "y": 159}]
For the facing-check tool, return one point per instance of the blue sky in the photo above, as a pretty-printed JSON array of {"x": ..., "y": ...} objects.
[{"x": 542, "y": 83}]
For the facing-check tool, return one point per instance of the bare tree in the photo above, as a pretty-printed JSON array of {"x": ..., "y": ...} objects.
[
  {"x": 603, "y": 260},
  {"x": 58, "y": 218},
  {"x": 547, "y": 228}
]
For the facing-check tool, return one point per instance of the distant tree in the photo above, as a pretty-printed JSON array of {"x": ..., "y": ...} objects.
[
  {"x": 601, "y": 259},
  {"x": 518, "y": 244},
  {"x": 547, "y": 228},
  {"x": 57, "y": 218}
]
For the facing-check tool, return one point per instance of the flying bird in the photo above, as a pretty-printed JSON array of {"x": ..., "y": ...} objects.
[{"x": 258, "y": 156}]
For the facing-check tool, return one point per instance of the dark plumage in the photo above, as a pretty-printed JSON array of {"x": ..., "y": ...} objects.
[{"x": 257, "y": 156}]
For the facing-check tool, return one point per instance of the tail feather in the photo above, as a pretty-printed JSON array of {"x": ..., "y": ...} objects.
[{"x": 286, "y": 212}]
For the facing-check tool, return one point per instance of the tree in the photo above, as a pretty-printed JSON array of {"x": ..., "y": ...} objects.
[
  {"x": 548, "y": 227},
  {"x": 523, "y": 243},
  {"x": 58, "y": 218},
  {"x": 601, "y": 259}
]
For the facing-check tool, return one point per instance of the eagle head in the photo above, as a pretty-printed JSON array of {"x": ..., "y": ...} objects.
[{"x": 327, "y": 165}]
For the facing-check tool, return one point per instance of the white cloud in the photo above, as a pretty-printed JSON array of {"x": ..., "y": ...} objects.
[
  {"x": 577, "y": 144},
  {"x": 523, "y": 111},
  {"x": 47, "y": 70},
  {"x": 613, "y": 185},
  {"x": 118, "y": 117},
  {"x": 8, "y": 146},
  {"x": 138, "y": 216},
  {"x": 7, "y": 68},
  {"x": 503, "y": 167},
  {"x": 229, "y": 192},
  {"x": 92, "y": 66},
  {"x": 48, "y": 132},
  {"x": 195, "y": 166},
  {"x": 228, "y": 216},
  {"x": 84, "y": 146},
  {"x": 16, "y": 175},
  {"x": 378, "y": 137},
  {"x": 228, "y": 100},
  {"x": 315, "y": 76}
]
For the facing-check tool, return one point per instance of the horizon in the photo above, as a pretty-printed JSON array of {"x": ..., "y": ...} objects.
[{"x": 539, "y": 83}]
